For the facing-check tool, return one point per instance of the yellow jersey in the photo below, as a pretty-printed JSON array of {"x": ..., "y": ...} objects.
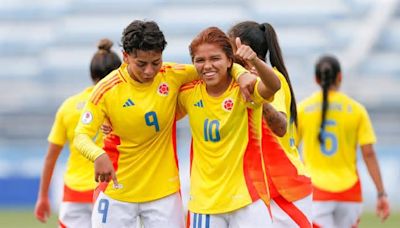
[
  {"x": 79, "y": 175},
  {"x": 226, "y": 173},
  {"x": 333, "y": 165},
  {"x": 142, "y": 144},
  {"x": 289, "y": 177}
]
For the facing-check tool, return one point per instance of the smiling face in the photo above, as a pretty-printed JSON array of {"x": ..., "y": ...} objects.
[
  {"x": 212, "y": 65},
  {"x": 143, "y": 66}
]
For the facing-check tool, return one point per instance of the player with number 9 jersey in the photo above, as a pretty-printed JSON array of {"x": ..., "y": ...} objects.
[{"x": 139, "y": 155}]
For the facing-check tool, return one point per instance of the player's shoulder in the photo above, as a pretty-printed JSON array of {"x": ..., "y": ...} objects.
[
  {"x": 191, "y": 85},
  {"x": 353, "y": 102},
  {"x": 308, "y": 100}
]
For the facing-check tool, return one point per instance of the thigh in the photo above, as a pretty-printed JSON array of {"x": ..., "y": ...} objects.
[
  {"x": 165, "y": 212},
  {"x": 75, "y": 214},
  {"x": 207, "y": 220},
  {"x": 291, "y": 214},
  {"x": 253, "y": 215},
  {"x": 347, "y": 214},
  {"x": 322, "y": 213},
  {"x": 111, "y": 213}
]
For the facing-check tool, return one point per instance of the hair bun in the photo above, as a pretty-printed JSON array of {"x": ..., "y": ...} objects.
[{"x": 105, "y": 44}]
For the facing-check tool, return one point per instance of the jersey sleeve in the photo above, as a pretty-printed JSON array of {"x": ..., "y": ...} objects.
[
  {"x": 256, "y": 96},
  {"x": 58, "y": 133},
  {"x": 238, "y": 70},
  {"x": 365, "y": 132},
  {"x": 92, "y": 117}
]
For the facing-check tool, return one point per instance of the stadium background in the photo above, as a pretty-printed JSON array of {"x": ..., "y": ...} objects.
[{"x": 46, "y": 47}]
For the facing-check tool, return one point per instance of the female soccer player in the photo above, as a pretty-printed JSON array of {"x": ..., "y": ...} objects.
[
  {"x": 227, "y": 179},
  {"x": 331, "y": 126},
  {"x": 289, "y": 183},
  {"x": 76, "y": 207},
  {"x": 139, "y": 100}
]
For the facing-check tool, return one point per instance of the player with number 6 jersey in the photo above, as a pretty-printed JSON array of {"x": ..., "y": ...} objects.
[{"x": 331, "y": 126}]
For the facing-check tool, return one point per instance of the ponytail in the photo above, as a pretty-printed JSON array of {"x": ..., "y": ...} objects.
[
  {"x": 326, "y": 72},
  {"x": 276, "y": 59}
]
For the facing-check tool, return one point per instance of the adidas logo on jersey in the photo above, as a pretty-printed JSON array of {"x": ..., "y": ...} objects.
[
  {"x": 128, "y": 103},
  {"x": 199, "y": 104}
]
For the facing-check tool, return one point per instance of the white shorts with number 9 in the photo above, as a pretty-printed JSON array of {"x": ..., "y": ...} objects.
[{"x": 165, "y": 212}]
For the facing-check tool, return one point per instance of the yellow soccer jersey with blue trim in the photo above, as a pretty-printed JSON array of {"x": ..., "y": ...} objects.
[
  {"x": 333, "y": 165},
  {"x": 223, "y": 128},
  {"x": 79, "y": 173},
  {"x": 142, "y": 144}
]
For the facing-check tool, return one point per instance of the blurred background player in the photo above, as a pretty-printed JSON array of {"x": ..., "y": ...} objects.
[
  {"x": 139, "y": 100},
  {"x": 289, "y": 183},
  {"x": 76, "y": 206},
  {"x": 226, "y": 133},
  {"x": 331, "y": 126}
]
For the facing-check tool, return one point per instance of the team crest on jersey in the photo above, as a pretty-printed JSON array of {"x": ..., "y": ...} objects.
[
  {"x": 163, "y": 89},
  {"x": 87, "y": 118},
  {"x": 227, "y": 104}
]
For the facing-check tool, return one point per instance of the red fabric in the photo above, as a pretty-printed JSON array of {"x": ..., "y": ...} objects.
[
  {"x": 353, "y": 194},
  {"x": 283, "y": 178},
  {"x": 294, "y": 213},
  {"x": 71, "y": 195}
]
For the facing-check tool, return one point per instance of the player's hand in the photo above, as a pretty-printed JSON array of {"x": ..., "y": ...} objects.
[
  {"x": 42, "y": 209},
  {"x": 247, "y": 82},
  {"x": 383, "y": 208},
  {"x": 106, "y": 129},
  {"x": 104, "y": 170},
  {"x": 245, "y": 52}
]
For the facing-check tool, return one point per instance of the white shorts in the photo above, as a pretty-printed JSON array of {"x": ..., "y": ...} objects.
[
  {"x": 165, "y": 212},
  {"x": 75, "y": 214},
  {"x": 335, "y": 214},
  {"x": 246, "y": 217},
  {"x": 291, "y": 214}
]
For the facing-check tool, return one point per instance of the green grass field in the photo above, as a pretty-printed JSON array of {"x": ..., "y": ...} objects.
[{"x": 25, "y": 218}]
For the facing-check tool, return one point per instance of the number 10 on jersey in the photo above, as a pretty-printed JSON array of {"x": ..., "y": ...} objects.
[{"x": 211, "y": 130}]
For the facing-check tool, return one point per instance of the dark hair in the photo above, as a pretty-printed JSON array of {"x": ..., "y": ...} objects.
[
  {"x": 262, "y": 39},
  {"x": 326, "y": 71},
  {"x": 144, "y": 36},
  {"x": 212, "y": 35},
  {"x": 104, "y": 60}
]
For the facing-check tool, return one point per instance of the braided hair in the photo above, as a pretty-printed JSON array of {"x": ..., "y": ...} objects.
[{"x": 326, "y": 71}]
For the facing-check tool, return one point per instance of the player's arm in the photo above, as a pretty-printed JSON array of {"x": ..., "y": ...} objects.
[
  {"x": 369, "y": 156},
  {"x": 276, "y": 120},
  {"x": 91, "y": 119},
  {"x": 42, "y": 207},
  {"x": 270, "y": 83}
]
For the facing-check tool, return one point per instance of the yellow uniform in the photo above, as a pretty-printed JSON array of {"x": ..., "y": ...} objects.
[
  {"x": 226, "y": 135},
  {"x": 79, "y": 175},
  {"x": 288, "y": 173},
  {"x": 333, "y": 165},
  {"x": 142, "y": 145}
]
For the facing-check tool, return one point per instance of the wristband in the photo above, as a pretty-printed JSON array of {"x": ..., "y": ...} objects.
[{"x": 382, "y": 194}]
